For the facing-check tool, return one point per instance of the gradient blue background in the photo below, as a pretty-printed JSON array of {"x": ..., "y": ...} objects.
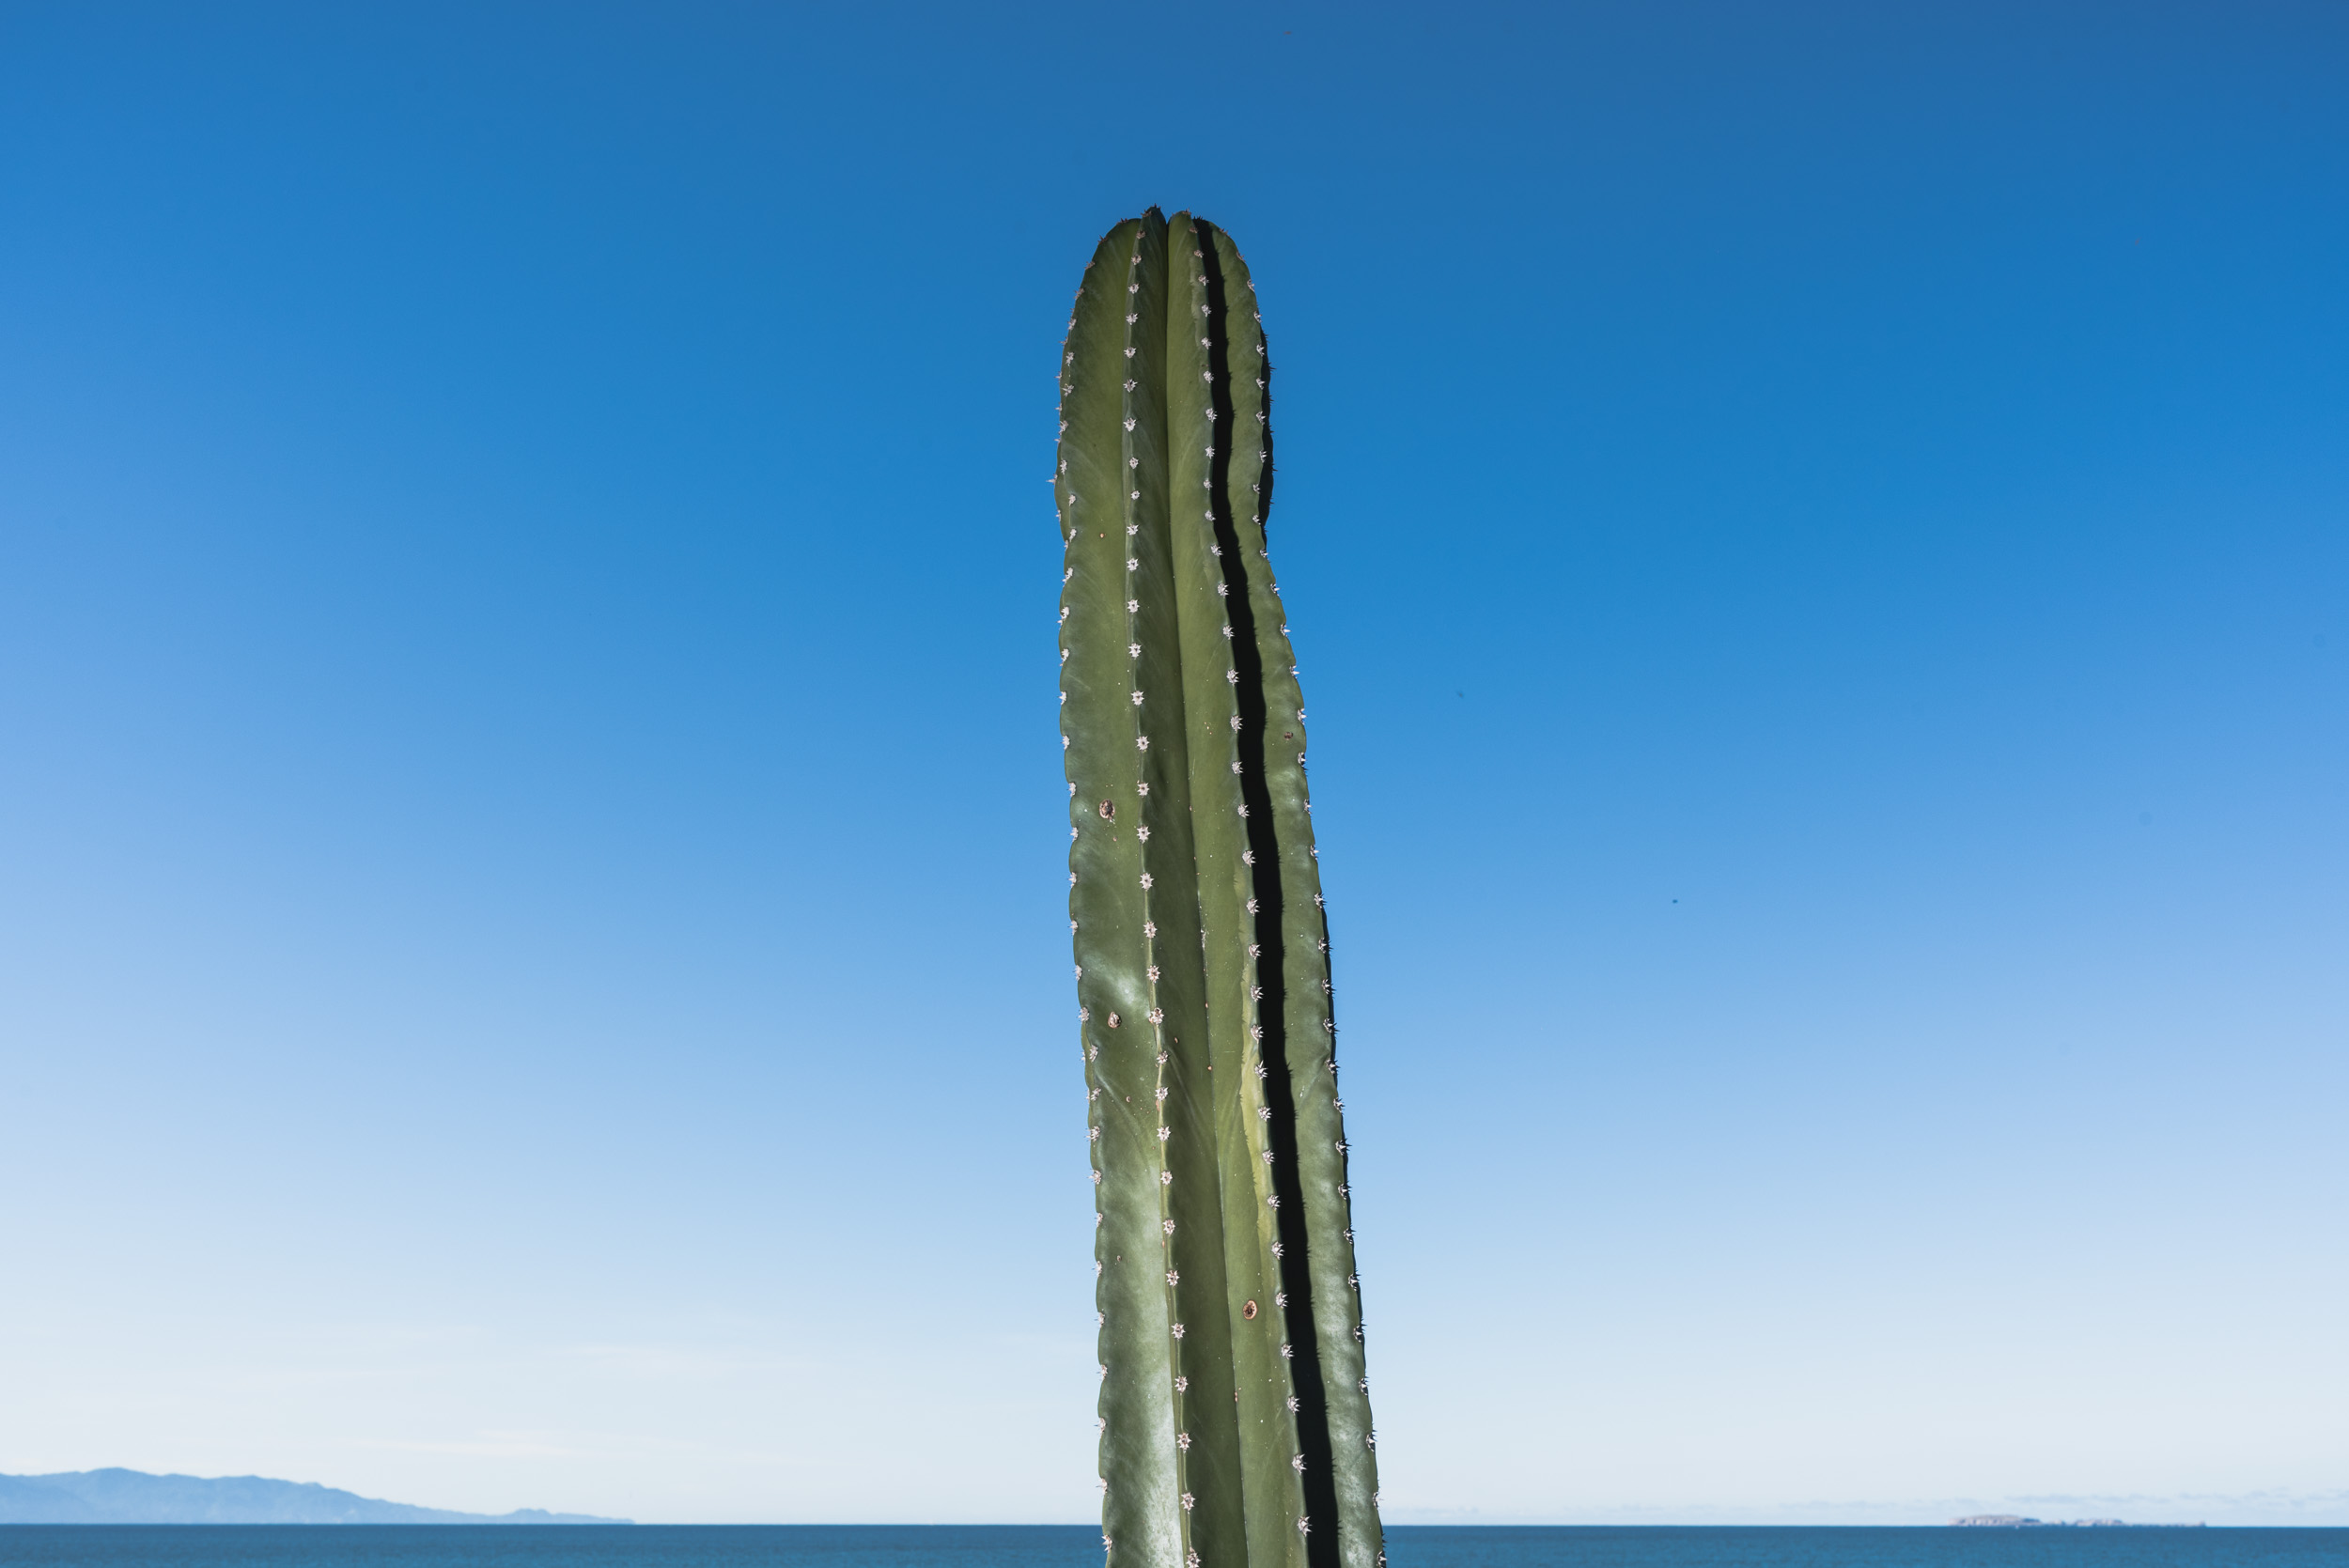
[{"x": 532, "y": 963}]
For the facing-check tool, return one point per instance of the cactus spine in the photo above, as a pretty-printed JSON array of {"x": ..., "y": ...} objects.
[{"x": 1234, "y": 1414}]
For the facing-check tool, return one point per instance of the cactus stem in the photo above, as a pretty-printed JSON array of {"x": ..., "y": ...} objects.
[{"x": 1223, "y": 1488}]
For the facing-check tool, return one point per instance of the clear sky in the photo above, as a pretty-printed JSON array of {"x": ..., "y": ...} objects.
[{"x": 532, "y": 845}]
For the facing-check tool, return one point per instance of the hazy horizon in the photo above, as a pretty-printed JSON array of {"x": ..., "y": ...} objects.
[
  {"x": 533, "y": 954},
  {"x": 2254, "y": 1510}
]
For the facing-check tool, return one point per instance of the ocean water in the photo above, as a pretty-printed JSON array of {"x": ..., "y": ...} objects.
[{"x": 1080, "y": 1546}]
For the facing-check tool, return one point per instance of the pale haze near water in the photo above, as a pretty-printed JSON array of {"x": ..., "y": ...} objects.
[{"x": 530, "y": 955}]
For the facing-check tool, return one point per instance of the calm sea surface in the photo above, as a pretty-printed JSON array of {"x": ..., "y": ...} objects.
[{"x": 1080, "y": 1546}]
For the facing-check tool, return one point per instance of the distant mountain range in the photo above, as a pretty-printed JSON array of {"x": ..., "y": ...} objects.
[
  {"x": 2015, "y": 1521},
  {"x": 134, "y": 1497}
]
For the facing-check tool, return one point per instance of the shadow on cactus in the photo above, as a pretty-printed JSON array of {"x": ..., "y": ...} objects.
[{"x": 1235, "y": 1413}]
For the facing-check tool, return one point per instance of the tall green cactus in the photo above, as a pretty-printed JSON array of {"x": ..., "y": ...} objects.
[{"x": 1234, "y": 1414}]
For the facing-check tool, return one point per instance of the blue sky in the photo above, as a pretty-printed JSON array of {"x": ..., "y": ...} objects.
[{"x": 531, "y": 838}]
